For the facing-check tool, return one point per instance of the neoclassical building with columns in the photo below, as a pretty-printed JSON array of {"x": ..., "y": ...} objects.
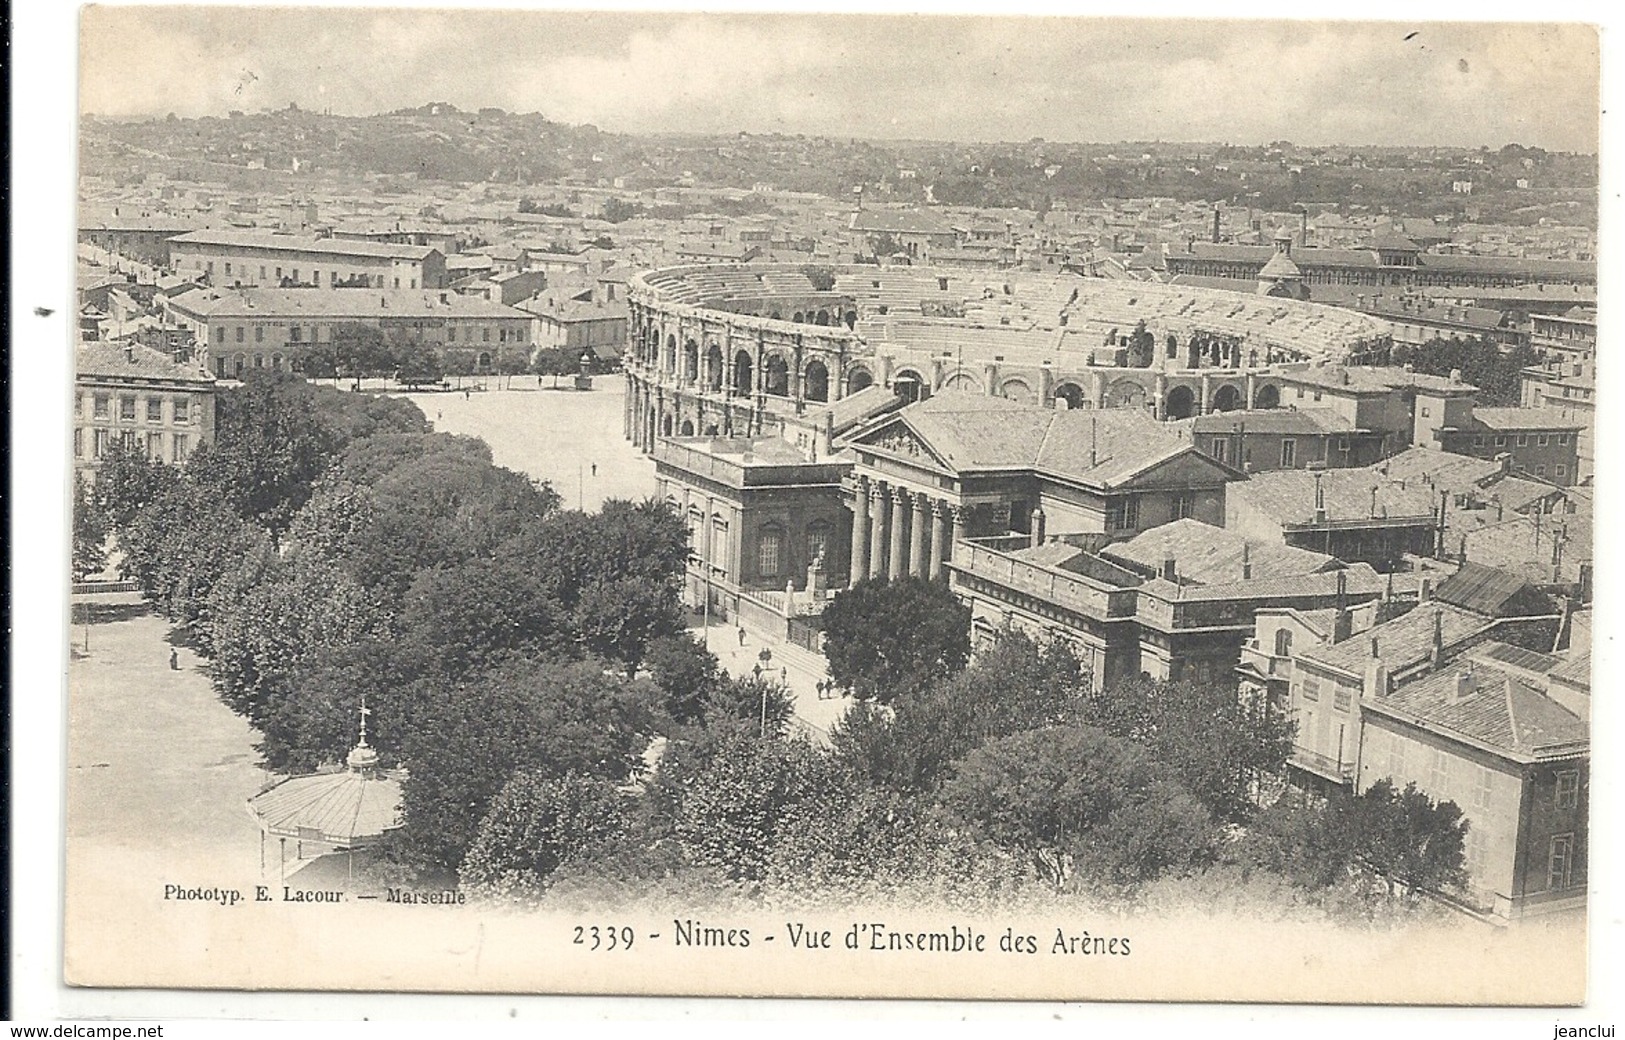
[{"x": 960, "y": 466}]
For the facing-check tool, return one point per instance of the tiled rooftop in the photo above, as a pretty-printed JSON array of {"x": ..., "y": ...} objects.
[
  {"x": 340, "y": 303},
  {"x": 1208, "y": 555},
  {"x": 1491, "y": 707},
  {"x": 133, "y": 362},
  {"x": 335, "y": 246},
  {"x": 1403, "y": 641},
  {"x": 1288, "y": 496}
]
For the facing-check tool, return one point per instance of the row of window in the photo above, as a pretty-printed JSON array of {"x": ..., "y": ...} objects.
[
  {"x": 1541, "y": 439},
  {"x": 103, "y": 439},
  {"x": 1220, "y": 450},
  {"x": 101, "y": 407},
  {"x": 296, "y": 334},
  {"x": 334, "y": 278},
  {"x": 1123, "y": 511},
  {"x": 1342, "y": 694}
]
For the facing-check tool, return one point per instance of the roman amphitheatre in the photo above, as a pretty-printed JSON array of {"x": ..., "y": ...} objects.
[{"x": 747, "y": 348}]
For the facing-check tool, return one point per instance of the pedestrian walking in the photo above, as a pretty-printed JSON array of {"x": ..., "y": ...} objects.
[
  {"x": 784, "y": 675},
  {"x": 595, "y": 469},
  {"x": 741, "y": 635},
  {"x": 174, "y": 660}
]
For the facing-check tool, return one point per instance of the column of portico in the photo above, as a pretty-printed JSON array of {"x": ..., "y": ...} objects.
[
  {"x": 637, "y": 410},
  {"x": 939, "y": 524},
  {"x": 1252, "y": 388},
  {"x": 917, "y": 563},
  {"x": 877, "y": 529},
  {"x": 860, "y": 530},
  {"x": 1206, "y": 400},
  {"x": 896, "y": 565}
]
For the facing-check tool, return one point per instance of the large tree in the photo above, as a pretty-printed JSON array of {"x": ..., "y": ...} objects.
[
  {"x": 535, "y": 825},
  {"x": 268, "y": 614},
  {"x": 1402, "y": 840},
  {"x": 1221, "y": 747},
  {"x": 270, "y": 447},
  {"x": 617, "y": 574},
  {"x": 550, "y": 719},
  {"x": 127, "y": 481},
  {"x": 276, "y": 435},
  {"x": 887, "y": 639},
  {"x": 1015, "y": 684},
  {"x": 725, "y": 792},
  {"x": 90, "y": 530},
  {"x": 180, "y": 544},
  {"x": 1413, "y": 842},
  {"x": 1062, "y": 795}
]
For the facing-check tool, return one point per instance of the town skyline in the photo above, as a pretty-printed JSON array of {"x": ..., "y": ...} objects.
[{"x": 837, "y": 75}]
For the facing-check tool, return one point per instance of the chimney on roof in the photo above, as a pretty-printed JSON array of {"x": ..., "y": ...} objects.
[
  {"x": 1170, "y": 569},
  {"x": 1424, "y": 590},
  {"x": 1036, "y": 537},
  {"x": 1215, "y": 224},
  {"x": 1376, "y": 675},
  {"x": 1455, "y": 376},
  {"x": 1320, "y": 499},
  {"x": 1373, "y": 500},
  {"x": 1464, "y": 686},
  {"x": 1437, "y": 656},
  {"x": 1343, "y": 619},
  {"x": 129, "y": 352},
  {"x": 1246, "y": 560}
]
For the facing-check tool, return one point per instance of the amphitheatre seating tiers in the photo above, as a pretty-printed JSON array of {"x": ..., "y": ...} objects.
[{"x": 1022, "y": 312}]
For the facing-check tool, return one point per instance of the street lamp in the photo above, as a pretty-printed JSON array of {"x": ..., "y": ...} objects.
[{"x": 765, "y": 658}]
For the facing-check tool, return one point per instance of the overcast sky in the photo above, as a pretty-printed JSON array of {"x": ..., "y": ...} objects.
[{"x": 899, "y": 76}]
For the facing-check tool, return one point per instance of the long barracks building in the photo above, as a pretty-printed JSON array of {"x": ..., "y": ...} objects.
[{"x": 1388, "y": 260}]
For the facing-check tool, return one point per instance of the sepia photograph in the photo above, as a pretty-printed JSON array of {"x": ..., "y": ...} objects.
[{"x": 831, "y": 505}]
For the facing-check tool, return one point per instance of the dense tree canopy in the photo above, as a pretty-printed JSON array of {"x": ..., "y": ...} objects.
[
  {"x": 90, "y": 529},
  {"x": 537, "y": 823},
  {"x": 1220, "y": 747},
  {"x": 884, "y": 640},
  {"x": 1400, "y": 839},
  {"x": 548, "y": 719},
  {"x": 1481, "y": 361},
  {"x": 1014, "y": 685},
  {"x": 1059, "y": 793}
]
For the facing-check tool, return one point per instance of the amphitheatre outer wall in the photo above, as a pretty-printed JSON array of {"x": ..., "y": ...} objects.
[{"x": 732, "y": 350}]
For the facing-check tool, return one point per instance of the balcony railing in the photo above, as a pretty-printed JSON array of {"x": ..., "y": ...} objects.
[
  {"x": 1058, "y": 587},
  {"x": 1266, "y": 663},
  {"x": 1323, "y": 765}
]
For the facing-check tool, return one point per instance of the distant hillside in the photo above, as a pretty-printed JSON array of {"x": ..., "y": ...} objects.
[{"x": 439, "y": 142}]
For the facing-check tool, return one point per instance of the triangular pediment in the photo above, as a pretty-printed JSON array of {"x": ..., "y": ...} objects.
[
  {"x": 895, "y": 437},
  {"x": 1189, "y": 468}
]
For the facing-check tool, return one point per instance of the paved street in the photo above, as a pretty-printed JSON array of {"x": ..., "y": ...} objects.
[
  {"x": 158, "y": 773},
  {"x": 553, "y": 435},
  {"x": 801, "y": 669}
]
